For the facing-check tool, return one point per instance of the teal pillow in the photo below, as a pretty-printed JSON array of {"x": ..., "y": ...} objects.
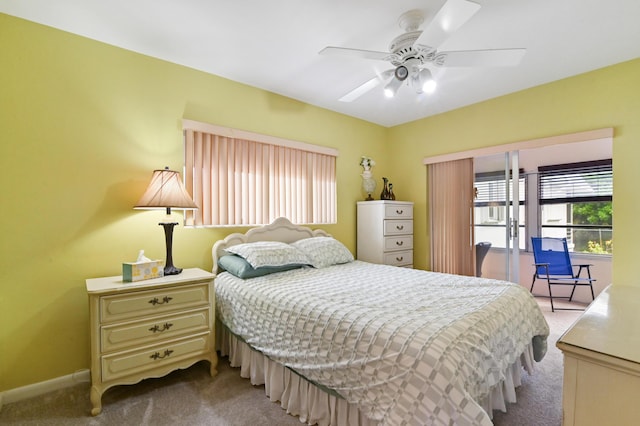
[{"x": 239, "y": 267}]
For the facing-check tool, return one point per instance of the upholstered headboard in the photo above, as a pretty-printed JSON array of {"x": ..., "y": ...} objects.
[{"x": 280, "y": 229}]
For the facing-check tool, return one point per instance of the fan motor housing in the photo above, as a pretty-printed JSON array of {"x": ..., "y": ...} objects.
[{"x": 403, "y": 48}]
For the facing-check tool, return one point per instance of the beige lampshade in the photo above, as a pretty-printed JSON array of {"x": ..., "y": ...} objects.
[{"x": 166, "y": 191}]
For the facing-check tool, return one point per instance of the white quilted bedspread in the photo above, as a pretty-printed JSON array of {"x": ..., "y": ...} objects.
[{"x": 406, "y": 346}]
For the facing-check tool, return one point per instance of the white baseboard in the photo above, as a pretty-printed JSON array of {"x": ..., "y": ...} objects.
[{"x": 29, "y": 391}]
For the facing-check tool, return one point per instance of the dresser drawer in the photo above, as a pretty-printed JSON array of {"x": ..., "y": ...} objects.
[
  {"x": 404, "y": 211},
  {"x": 398, "y": 227},
  {"x": 133, "y": 362},
  {"x": 401, "y": 242},
  {"x": 399, "y": 258},
  {"x": 151, "y": 302},
  {"x": 113, "y": 337}
]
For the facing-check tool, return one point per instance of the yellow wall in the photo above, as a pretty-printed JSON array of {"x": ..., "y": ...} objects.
[
  {"x": 609, "y": 97},
  {"x": 82, "y": 126}
]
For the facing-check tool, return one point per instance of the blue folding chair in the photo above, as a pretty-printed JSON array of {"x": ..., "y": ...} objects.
[{"x": 553, "y": 264}]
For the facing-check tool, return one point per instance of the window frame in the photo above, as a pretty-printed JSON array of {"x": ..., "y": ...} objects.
[
  {"x": 557, "y": 175},
  {"x": 241, "y": 178}
]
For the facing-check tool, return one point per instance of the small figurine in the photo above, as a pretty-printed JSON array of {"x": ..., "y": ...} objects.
[{"x": 384, "y": 195}]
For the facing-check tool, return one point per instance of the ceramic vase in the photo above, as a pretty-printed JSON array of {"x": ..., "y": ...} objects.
[{"x": 368, "y": 184}]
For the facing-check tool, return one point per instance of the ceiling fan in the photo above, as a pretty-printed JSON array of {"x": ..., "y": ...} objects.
[{"x": 411, "y": 52}]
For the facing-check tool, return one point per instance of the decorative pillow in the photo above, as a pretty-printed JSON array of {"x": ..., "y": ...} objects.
[
  {"x": 269, "y": 253},
  {"x": 239, "y": 267},
  {"x": 324, "y": 251}
]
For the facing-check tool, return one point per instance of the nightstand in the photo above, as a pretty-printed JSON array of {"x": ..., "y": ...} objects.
[{"x": 149, "y": 328}]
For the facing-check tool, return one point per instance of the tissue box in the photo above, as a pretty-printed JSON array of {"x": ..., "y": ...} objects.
[{"x": 137, "y": 271}]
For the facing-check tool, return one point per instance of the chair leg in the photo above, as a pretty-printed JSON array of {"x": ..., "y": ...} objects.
[
  {"x": 573, "y": 291},
  {"x": 533, "y": 281},
  {"x": 593, "y": 296},
  {"x": 550, "y": 296}
]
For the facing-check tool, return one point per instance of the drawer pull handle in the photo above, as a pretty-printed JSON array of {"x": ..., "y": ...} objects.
[
  {"x": 156, "y": 328},
  {"x": 399, "y": 243},
  {"x": 399, "y": 211},
  {"x": 399, "y": 227},
  {"x": 165, "y": 299},
  {"x": 157, "y": 355},
  {"x": 399, "y": 259}
]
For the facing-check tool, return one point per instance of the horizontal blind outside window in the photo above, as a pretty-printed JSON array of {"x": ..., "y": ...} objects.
[
  {"x": 239, "y": 182},
  {"x": 576, "y": 182},
  {"x": 490, "y": 189}
]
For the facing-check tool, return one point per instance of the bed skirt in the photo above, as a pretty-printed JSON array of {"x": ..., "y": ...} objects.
[{"x": 315, "y": 406}]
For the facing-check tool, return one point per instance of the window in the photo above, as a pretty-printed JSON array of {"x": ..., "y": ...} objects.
[
  {"x": 241, "y": 178},
  {"x": 576, "y": 202},
  {"x": 489, "y": 207}
]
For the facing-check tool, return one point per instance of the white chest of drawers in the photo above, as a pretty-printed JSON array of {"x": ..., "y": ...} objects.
[
  {"x": 149, "y": 328},
  {"x": 385, "y": 232}
]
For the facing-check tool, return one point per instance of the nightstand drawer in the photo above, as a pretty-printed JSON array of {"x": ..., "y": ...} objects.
[
  {"x": 134, "y": 362},
  {"x": 152, "y": 330},
  {"x": 143, "y": 303},
  {"x": 404, "y": 211},
  {"x": 398, "y": 227},
  {"x": 399, "y": 258},
  {"x": 404, "y": 242}
]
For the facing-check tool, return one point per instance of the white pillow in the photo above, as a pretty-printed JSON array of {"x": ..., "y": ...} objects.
[
  {"x": 324, "y": 251},
  {"x": 269, "y": 253}
]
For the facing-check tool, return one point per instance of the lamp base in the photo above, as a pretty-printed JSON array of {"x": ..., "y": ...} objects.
[{"x": 169, "y": 269}]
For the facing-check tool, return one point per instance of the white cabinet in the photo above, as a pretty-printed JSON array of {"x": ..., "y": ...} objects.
[
  {"x": 385, "y": 232},
  {"x": 148, "y": 328},
  {"x": 601, "y": 351}
]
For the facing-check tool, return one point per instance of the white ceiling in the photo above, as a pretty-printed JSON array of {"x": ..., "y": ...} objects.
[{"x": 274, "y": 45}]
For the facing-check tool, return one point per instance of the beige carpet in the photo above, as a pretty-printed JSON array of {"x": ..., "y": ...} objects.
[
  {"x": 540, "y": 396},
  {"x": 191, "y": 397}
]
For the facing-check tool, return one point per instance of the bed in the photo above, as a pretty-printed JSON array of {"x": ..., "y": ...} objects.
[{"x": 338, "y": 341}]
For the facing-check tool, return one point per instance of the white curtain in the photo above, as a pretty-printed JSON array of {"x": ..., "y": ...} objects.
[{"x": 450, "y": 186}]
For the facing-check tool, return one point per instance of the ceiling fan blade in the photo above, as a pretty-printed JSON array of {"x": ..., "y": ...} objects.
[
  {"x": 480, "y": 58},
  {"x": 449, "y": 18},
  {"x": 356, "y": 53},
  {"x": 366, "y": 86}
]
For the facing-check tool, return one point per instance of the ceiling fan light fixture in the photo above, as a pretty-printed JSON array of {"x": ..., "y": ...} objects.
[
  {"x": 392, "y": 87},
  {"x": 425, "y": 82},
  {"x": 401, "y": 73},
  {"x": 429, "y": 87}
]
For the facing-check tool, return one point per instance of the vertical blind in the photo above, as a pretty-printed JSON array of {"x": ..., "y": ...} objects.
[
  {"x": 450, "y": 216},
  {"x": 236, "y": 181}
]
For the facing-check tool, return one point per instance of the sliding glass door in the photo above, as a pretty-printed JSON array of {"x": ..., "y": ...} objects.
[{"x": 498, "y": 220}]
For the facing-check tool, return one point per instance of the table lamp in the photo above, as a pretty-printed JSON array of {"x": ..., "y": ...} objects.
[{"x": 166, "y": 191}]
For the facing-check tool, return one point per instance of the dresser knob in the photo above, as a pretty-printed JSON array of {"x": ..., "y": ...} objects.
[
  {"x": 399, "y": 227},
  {"x": 399, "y": 243},
  {"x": 399, "y": 211},
  {"x": 399, "y": 259}
]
